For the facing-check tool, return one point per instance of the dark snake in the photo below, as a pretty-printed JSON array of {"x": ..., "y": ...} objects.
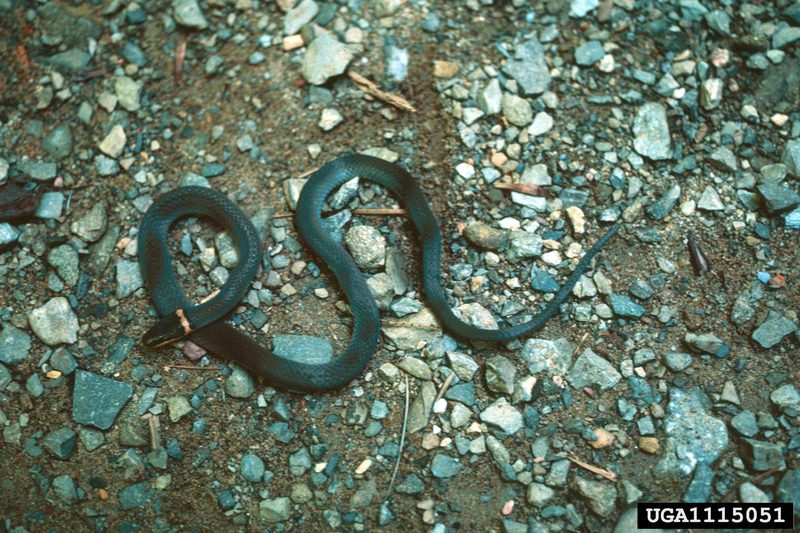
[{"x": 203, "y": 323}]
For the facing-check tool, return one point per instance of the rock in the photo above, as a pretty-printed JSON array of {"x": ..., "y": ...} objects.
[
  {"x": 239, "y": 384},
  {"x": 444, "y": 466},
  {"x": 128, "y": 91},
  {"x": 8, "y": 234},
  {"x": 489, "y": 99},
  {"x": 589, "y": 53},
  {"x": 329, "y": 119},
  {"x": 325, "y": 57},
  {"x": 778, "y": 86},
  {"x": 530, "y": 69},
  {"x": 553, "y": 357},
  {"x": 416, "y": 368},
  {"x": 91, "y": 226},
  {"x": 707, "y": 343},
  {"x": 500, "y": 374},
  {"x": 299, "y": 16},
  {"x": 791, "y": 157},
  {"x": 303, "y": 348},
  {"x": 710, "y": 200},
  {"x": 64, "y": 259},
  {"x": 659, "y": 209},
  {"x": 252, "y": 467},
  {"x": 61, "y": 443},
  {"x": 651, "y": 130},
  {"x": 538, "y": 494},
  {"x": 523, "y": 245},
  {"x": 600, "y": 496},
  {"x": 503, "y": 415},
  {"x": 773, "y": 330},
  {"x": 628, "y": 523},
  {"x": 129, "y": 278},
  {"x": 411, "y": 485},
  {"x": 421, "y": 407},
  {"x": 275, "y": 510},
  {"x": 14, "y": 345},
  {"x": 723, "y": 158},
  {"x": 54, "y": 322},
  {"x": 749, "y": 493},
  {"x": 486, "y": 237},
  {"x": 40, "y": 171},
  {"x": 591, "y": 369},
  {"x": 693, "y": 435},
  {"x": 385, "y": 8},
  {"x": 187, "y": 13},
  {"x": 789, "y": 489},
  {"x": 114, "y": 142},
  {"x": 762, "y": 456},
  {"x": 711, "y": 93},
  {"x": 463, "y": 365},
  {"x": 786, "y": 397},
  {"x": 745, "y": 424},
  {"x": 64, "y": 488},
  {"x": 367, "y": 246},
  {"x": 178, "y": 408},
  {"x": 699, "y": 489},
  {"x": 73, "y": 60},
  {"x": 517, "y": 110},
  {"x": 777, "y": 198},
  {"x": 542, "y": 123},
  {"x": 581, "y": 8},
  {"x": 106, "y": 166},
  {"x": 785, "y": 36},
  {"x": 623, "y": 306},
  {"x": 59, "y": 143},
  {"x": 97, "y": 400},
  {"x": 417, "y": 328},
  {"x": 136, "y": 495},
  {"x": 5, "y": 377},
  {"x": 719, "y": 21}
]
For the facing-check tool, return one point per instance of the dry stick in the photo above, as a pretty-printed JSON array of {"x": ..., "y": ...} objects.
[
  {"x": 402, "y": 442},
  {"x": 580, "y": 344},
  {"x": 370, "y": 87},
  {"x": 190, "y": 367},
  {"x": 155, "y": 435},
  {"x": 445, "y": 386},
  {"x": 177, "y": 63},
  {"x": 611, "y": 476},
  {"x": 524, "y": 188}
]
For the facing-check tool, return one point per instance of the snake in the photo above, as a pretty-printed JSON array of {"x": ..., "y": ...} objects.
[{"x": 205, "y": 325}]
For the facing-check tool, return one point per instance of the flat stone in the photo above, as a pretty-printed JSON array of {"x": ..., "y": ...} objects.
[
  {"x": 54, "y": 322},
  {"x": 724, "y": 159},
  {"x": 239, "y": 384},
  {"x": 187, "y": 13},
  {"x": 785, "y": 36},
  {"x": 651, "y": 130},
  {"x": 416, "y": 368},
  {"x": 659, "y": 209},
  {"x": 791, "y": 157},
  {"x": 8, "y": 234},
  {"x": 92, "y": 225},
  {"x": 299, "y": 16},
  {"x": 777, "y": 197},
  {"x": 707, "y": 343},
  {"x": 420, "y": 409},
  {"x": 591, "y": 369},
  {"x": 443, "y": 466},
  {"x": 14, "y": 345},
  {"x": 129, "y": 91},
  {"x": 129, "y": 278},
  {"x": 51, "y": 205},
  {"x": 719, "y": 21},
  {"x": 503, "y": 415},
  {"x": 551, "y": 356},
  {"x": 325, "y": 57},
  {"x": 73, "y": 60},
  {"x": 745, "y": 424},
  {"x": 762, "y": 456},
  {"x": 773, "y": 330},
  {"x": 601, "y": 496},
  {"x": 40, "y": 171},
  {"x": 367, "y": 245},
  {"x": 530, "y": 69},
  {"x": 786, "y": 397},
  {"x": 64, "y": 259},
  {"x": 624, "y": 306},
  {"x": 303, "y": 348},
  {"x": 275, "y": 510},
  {"x": 500, "y": 374},
  {"x": 59, "y": 143},
  {"x": 97, "y": 400},
  {"x": 114, "y": 143},
  {"x": 61, "y": 443},
  {"x": 589, "y": 53},
  {"x": 252, "y": 467},
  {"x": 463, "y": 365},
  {"x": 178, "y": 407},
  {"x": 710, "y": 200},
  {"x": 517, "y": 110}
]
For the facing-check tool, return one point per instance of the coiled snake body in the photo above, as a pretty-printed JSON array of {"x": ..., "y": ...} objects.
[{"x": 204, "y": 325}]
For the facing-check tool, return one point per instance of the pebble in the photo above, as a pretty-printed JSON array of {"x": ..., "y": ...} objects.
[
  {"x": 517, "y": 110},
  {"x": 8, "y": 234},
  {"x": 707, "y": 343},
  {"x": 114, "y": 143},
  {"x": 651, "y": 130},
  {"x": 367, "y": 246},
  {"x": 589, "y": 53},
  {"x": 14, "y": 345},
  {"x": 187, "y": 13},
  {"x": 325, "y": 57},
  {"x": 490, "y": 97},
  {"x": 530, "y": 69},
  {"x": 542, "y": 123},
  {"x": 591, "y": 369},
  {"x": 275, "y": 510},
  {"x": 40, "y": 171},
  {"x": 239, "y": 384},
  {"x": 91, "y": 226},
  {"x": 252, "y": 467},
  {"x": 745, "y": 424},
  {"x": 486, "y": 237},
  {"x": 500, "y": 374},
  {"x": 538, "y": 494},
  {"x": 443, "y": 466},
  {"x": 777, "y": 198},
  {"x": 329, "y": 119},
  {"x": 581, "y": 8},
  {"x": 97, "y": 400},
  {"x": 711, "y": 93},
  {"x": 773, "y": 330},
  {"x": 762, "y": 456},
  {"x": 129, "y": 278},
  {"x": 786, "y": 397},
  {"x": 54, "y": 322},
  {"x": 503, "y": 415},
  {"x": 61, "y": 443},
  {"x": 624, "y": 306},
  {"x": 416, "y": 368},
  {"x": 64, "y": 488},
  {"x": 178, "y": 408},
  {"x": 128, "y": 90},
  {"x": 64, "y": 259},
  {"x": 601, "y": 496},
  {"x": 59, "y": 143},
  {"x": 710, "y": 200}
]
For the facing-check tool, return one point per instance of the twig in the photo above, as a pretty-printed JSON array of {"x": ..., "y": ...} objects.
[
  {"x": 754, "y": 480},
  {"x": 308, "y": 172},
  {"x": 580, "y": 344},
  {"x": 177, "y": 64},
  {"x": 190, "y": 367},
  {"x": 155, "y": 435},
  {"x": 370, "y": 88},
  {"x": 402, "y": 443},
  {"x": 524, "y": 188},
  {"x": 445, "y": 386},
  {"x": 609, "y": 475}
]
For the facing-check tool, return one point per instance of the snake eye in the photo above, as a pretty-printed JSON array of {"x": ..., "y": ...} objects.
[{"x": 169, "y": 329}]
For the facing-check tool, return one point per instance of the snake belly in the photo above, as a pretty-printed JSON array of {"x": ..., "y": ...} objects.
[{"x": 208, "y": 328}]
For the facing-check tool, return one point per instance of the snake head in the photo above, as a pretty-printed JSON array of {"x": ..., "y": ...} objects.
[{"x": 169, "y": 329}]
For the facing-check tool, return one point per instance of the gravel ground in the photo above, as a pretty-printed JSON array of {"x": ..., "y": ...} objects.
[{"x": 671, "y": 374}]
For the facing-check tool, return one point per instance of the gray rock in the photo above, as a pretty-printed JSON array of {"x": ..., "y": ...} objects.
[
  {"x": 275, "y": 510},
  {"x": 791, "y": 157},
  {"x": 114, "y": 143},
  {"x": 14, "y": 345},
  {"x": 692, "y": 9},
  {"x": 129, "y": 278},
  {"x": 367, "y": 246},
  {"x": 136, "y": 495},
  {"x": 303, "y": 348},
  {"x": 773, "y": 330},
  {"x": 762, "y": 456},
  {"x": 538, "y": 494},
  {"x": 239, "y": 384},
  {"x": 72, "y": 59},
  {"x": 40, "y": 171},
  {"x": 61, "y": 443},
  {"x": 65, "y": 260},
  {"x": 581, "y": 8},
  {"x": 8, "y": 234},
  {"x": 97, "y": 400},
  {"x": 416, "y": 368},
  {"x": 106, "y": 166},
  {"x": 707, "y": 343},
  {"x": 659, "y": 209},
  {"x": 591, "y": 369},
  {"x": 299, "y": 16},
  {"x": 411, "y": 485},
  {"x": 500, "y": 374},
  {"x": 59, "y": 143},
  {"x": 677, "y": 361},
  {"x": 551, "y": 356},
  {"x": 54, "y": 322},
  {"x": 187, "y": 13},
  {"x": 778, "y": 198},
  {"x": 517, "y": 110},
  {"x": 710, "y": 200},
  {"x": 252, "y": 467},
  {"x": 503, "y": 415},
  {"x": 628, "y": 523},
  {"x": 699, "y": 489},
  {"x": 789, "y": 489},
  {"x": 651, "y": 130},
  {"x": 444, "y": 466},
  {"x": 64, "y": 488},
  {"x": 711, "y": 93},
  {"x": 463, "y": 365},
  {"x": 128, "y": 90},
  {"x": 178, "y": 407},
  {"x": 91, "y": 226},
  {"x": 420, "y": 409},
  {"x": 785, "y": 36},
  {"x": 749, "y": 493},
  {"x": 589, "y": 53},
  {"x": 723, "y": 158},
  {"x": 745, "y": 424},
  {"x": 325, "y": 57},
  {"x": 624, "y": 306},
  {"x": 523, "y": 244},
  {"x": 600, "y": 496},
  {"x": 5, "y": 377},
  {"x": 786, "y": 397},
  {"x": 530, "y": 69},
  {"x": 486, "y": 237},
  {"x": 719, "y": 21},
  {"x": 490, "y": 97},
  {"x": 693, "y": 435}
]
